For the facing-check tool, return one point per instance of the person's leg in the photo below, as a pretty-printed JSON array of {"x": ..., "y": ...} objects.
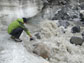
[{"x": 17, "y": 32}]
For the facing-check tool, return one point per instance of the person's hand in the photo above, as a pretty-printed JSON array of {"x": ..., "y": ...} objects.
[{"x": 31, "y": 38}]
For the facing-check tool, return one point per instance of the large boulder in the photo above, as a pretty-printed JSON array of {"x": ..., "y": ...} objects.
[
  {"x": 42, "y": 50},
  {"x": 76, "y": 40}
]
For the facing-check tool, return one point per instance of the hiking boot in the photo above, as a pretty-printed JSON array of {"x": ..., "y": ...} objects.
[{"x": 18, "y": 40}]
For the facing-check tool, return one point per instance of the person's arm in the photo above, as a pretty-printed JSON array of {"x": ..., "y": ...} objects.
[
  {"x": 25, "y": 29},
  {"x": 28, "y": 33}
]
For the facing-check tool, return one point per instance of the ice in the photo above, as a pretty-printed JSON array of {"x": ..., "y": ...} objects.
[
  {"x": 12, "y": 52},
  {"x": 30, "y": 11}
]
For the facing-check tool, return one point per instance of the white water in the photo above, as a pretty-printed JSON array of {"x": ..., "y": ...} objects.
[{"x": 62, "y": 51}]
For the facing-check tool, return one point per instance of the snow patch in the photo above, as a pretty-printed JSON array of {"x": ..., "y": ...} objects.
[{"x": 12, "y": 52}]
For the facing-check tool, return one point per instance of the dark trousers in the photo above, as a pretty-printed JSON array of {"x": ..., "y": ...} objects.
[{"x": 17, "y": 32}]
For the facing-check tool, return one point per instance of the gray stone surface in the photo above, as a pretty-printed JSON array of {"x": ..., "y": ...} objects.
[
  {"x": 42, "y": 49},
  {"x": 75, "y": 29},
  {"x": 76, "y": 40},
  {"x": 64, "y": 23},
  {"x": 67, "y": 12},
  {"x": 38, "y": 35}
]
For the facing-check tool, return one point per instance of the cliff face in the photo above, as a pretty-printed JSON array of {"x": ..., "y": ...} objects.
[{"x": 13, "y": 9}]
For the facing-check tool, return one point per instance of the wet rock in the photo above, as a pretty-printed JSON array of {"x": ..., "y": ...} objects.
[
  {"x": 82, "y": 5},
  {"x": 38, "y": 36},
  {"x": 75, "y": 29},
  {"x": 81, "y": 17},
  {"x": 82, "y": 35},
  {"x": 61, "y": 15},
  {"x": 74, "y": 16},
  {"x": 67, "y": 13},
  {"x": 64, "y": 23},
  {"x": 76, "y": 40},
  {"x": 58, "y": 2},
  {"x": 42, "y": 50}
]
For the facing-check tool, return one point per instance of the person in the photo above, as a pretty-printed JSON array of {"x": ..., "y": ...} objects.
[{"x": 16, "y": 28}]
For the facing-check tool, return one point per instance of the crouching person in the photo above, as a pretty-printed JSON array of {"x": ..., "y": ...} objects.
[{"x": 16, "y": 28}]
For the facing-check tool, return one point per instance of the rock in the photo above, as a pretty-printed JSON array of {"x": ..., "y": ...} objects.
[
  {"x": 38, "y": 36},
  {"x": 81, "y": 17},
  {"x": 61, "y": 15},
  {"x": 64, "y": 23},
  {"x": 81, "y": 6},
  {"x": 42, "y": 50},
  {"x": 66, "y": 13},
  {"x": 75, "y": 29},
  {"x": 82, "y": 35},
  {"x": 76, "y": 40},
  {"x": 58, "y": 2}
]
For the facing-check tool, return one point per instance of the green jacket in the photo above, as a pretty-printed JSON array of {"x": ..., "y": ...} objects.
[{"x": 16, "y": 24}]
